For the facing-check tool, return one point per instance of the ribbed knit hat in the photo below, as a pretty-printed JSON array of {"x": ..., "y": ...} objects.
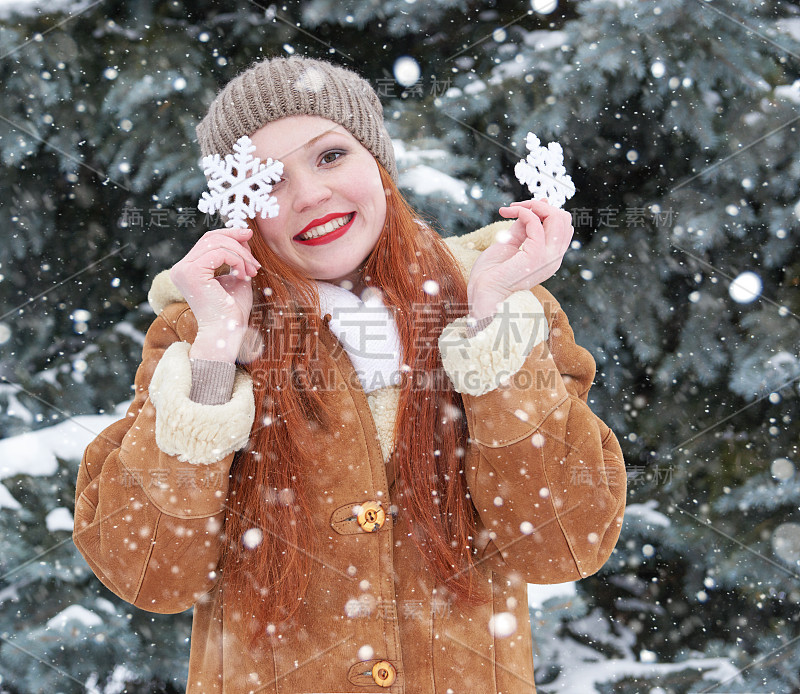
[{"x": 280, "y": 87}]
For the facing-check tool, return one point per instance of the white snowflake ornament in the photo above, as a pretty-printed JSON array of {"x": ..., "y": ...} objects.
[
  {"x": 240, "y": 185},
  {"x": 544, "y": 173}
]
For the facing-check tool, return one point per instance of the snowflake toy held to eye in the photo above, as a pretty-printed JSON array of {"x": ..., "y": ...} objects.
[
  {"x": 240, "y": 185},
  {"x": 544, "y": 173}
]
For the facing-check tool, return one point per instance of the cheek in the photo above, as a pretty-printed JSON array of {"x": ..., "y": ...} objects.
[
  {"x": 267, "y": 227},
  {"x": 271, "y": 233},
  {"x": 368, "y": 188},
  {"x": 374, "y": 198},
  {"x": 377, "y": 206}
]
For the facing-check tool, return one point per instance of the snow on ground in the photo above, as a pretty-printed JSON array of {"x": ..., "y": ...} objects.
[
  {"x": 117, "y": 683},
  {"x": 790, "y": 92},
  {"x": 6, "y": 500},
  {"x": 790, "y": 26},
  {"x": 545, "y": 40},
  {"x": 538, "y": 594},
  {"x": 74, "y": 613},
  {"x": 15, "y": 408},
  {"x": 60, "y": 519},
  {"x": 34, "y": 452},
  {"x": 588, "y": 677},
  {"x": 32, "y": 7},
  {"x": 125, "y": 328},
  {"x": 647, "y": 513},
  {"x": 423, "y": 179}
]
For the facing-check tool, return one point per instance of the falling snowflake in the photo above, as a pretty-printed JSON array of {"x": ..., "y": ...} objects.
[
  {"x": 544, "y": 173},
  {"x": 502, "y": 624},
  {"x": 252, "y": 538},
  {"x": 240, "y": 184}
]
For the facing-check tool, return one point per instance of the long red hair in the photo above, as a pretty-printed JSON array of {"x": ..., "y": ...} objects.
[{"x": 268, "y": 577}]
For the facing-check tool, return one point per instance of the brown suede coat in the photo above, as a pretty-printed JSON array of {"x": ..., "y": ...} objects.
[{"x": 545, "y": 474}]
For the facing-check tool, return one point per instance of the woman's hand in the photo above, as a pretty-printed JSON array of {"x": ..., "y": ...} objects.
[
  {"x": 524, "y": 255},
  {"x": 221, "y": 304}
]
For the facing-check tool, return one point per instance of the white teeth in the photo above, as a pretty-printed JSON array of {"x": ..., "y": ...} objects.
[{"x": 326, "y": 228}]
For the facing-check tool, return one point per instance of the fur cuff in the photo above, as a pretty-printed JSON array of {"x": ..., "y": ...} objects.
[
  {"x": 479, "y": 364},
  {"x": 195, "y": 433},
  {"x": 163, "y": 292}
]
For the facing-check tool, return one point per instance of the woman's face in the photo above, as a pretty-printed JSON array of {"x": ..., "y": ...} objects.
[{"x": 332, "y": 202}]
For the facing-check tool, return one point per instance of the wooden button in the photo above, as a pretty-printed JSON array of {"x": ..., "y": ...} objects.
[
  {"x": 371, "y": 516},
  {"x": 383, "y": 673}
]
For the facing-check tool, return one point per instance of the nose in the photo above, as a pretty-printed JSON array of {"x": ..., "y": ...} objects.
[{"x": 309, "y": 191}]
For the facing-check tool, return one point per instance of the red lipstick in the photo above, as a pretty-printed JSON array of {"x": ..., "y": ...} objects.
[{"x": 327, "y": 238}]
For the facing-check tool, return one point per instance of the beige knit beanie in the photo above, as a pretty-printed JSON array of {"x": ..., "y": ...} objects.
[{"x": 280, "y": 87}]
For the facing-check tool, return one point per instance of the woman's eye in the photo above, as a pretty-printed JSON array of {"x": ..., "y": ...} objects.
[{"x": 330, "y": 157}]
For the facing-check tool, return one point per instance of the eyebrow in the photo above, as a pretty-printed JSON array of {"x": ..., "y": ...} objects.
[
  {"x": 308, "y": 144},
  {"x": 320, "y": 136}
]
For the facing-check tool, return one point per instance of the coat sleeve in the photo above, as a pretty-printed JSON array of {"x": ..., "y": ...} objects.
[
  {"x": 545, "y": 474},
  {"x": 151, "y": 489}
]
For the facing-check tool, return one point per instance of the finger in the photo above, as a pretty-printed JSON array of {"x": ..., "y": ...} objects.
[
  {"x": 222, "y": 261},
  {"x": 247, "y": 267},
  {"x": 209, "y": 242},
  {"x": 215, "y": 239},
  {"x": 513, "y": 235},
  {"x": 233, "y": 232},
  {"x": 525, "y": 202},
  {"x": 237, "y": 235},
  {"x": 521, "y": 212},
  {"x": 208, "y": 262},
  {"x": 253, "y": 264},
  {"x": 244, "y": 234},
  {"x": 541, "y": 207},
  {"x": 532, "y": 201},
  {"x": 532, "y": 228},
  {"x": 559, "y": 231}
]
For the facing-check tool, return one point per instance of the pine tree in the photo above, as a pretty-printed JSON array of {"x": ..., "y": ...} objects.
[{"x": 679, "y": 124}]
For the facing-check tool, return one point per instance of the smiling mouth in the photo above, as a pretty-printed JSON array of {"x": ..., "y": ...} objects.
[{"x": 327, "y": 228}]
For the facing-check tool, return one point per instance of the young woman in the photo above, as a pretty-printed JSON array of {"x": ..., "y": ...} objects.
[{"x": 351, "y": 451}]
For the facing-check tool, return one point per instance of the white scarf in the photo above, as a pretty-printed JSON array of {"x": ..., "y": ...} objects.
[{"x": 367, "y": 331}]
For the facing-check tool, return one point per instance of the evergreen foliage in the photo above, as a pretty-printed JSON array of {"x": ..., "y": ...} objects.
[{"x": 679, "y": 123}]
